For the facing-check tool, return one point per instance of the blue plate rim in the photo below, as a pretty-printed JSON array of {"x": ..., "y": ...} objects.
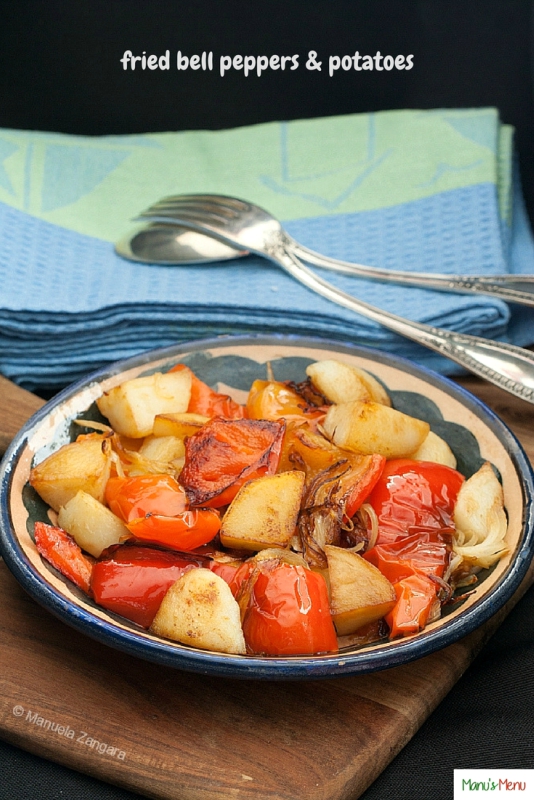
[{"x": 255, "y": 667}]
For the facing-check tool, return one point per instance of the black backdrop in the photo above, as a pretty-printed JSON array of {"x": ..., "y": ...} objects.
[{"x": 60, "y": 70}]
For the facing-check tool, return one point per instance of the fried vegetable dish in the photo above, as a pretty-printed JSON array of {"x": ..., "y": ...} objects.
[{"x": 313, "y": 517}]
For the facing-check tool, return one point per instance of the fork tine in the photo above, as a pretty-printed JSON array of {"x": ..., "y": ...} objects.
[
  {"x": 229, "y": 204},
  {"x": 213, "y": 214},
  {"x": 190, "y": 200},
  {"x": 221, "y": 199},
  {"x": 187, "y": 216},
  {"x": 199, "y": 208}
]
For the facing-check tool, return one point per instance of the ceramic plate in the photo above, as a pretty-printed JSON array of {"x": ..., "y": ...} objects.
[{"x": 473, "y": 432}]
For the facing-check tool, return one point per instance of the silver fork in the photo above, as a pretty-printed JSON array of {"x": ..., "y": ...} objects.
[
  {"x": 180, "y": 208},
  {"x": 250, "y": 228}
]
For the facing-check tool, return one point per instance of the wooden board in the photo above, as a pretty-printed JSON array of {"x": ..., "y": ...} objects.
[{"x": 170, "y": 734}]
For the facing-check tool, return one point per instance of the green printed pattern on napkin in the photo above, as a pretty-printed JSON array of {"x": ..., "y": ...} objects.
[{"x": 299, "y": 169}]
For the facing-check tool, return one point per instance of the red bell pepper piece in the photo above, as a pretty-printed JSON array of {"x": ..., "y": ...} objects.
[
  {"x": 414, "y": 502},
  {"x": 206, "y": 401},
  {"x": 412, "y": 496},
  {"x": 372, "y": 469},
  {"x": 288, "y": 612},
  {"x": 133, "y": 580},
  {"x": 59, "y": 549},
  {"x": 426, "y": 552},
  {"x": 226, "y": 453},
  {"x": 409, "y": 564},
  {"x": 234, "y": 574}
]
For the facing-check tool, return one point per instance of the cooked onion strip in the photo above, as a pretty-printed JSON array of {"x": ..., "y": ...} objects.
[
  {"x": 97, "y": 426},
  {"x": 140, "y": 465},
  {"x": 480, "y": 520},
  {"x": 370, "y": 519},
  {"x": 446, "y": 588},
  {"x": 322, "y": 513},
  {"x": 118, "y": 464},
  {"x": 435, "y": 612}
]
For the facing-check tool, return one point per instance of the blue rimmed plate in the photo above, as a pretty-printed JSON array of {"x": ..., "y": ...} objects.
[{"x": 473, "y": 432}]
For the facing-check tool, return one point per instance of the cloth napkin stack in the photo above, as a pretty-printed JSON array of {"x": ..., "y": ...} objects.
[{"x": 418, "y": 190}]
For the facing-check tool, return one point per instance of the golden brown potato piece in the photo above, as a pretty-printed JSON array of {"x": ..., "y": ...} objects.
[
  {"x": 341, "y": 383},
  {"x": 180, "y": 425},
  {"x": 480, "y": 519},
  {"x": 264, "y": 512},
  {"x": 435, "y": 449},
  {"x": 200, "y": 610},
  {"x": 132, "y": 406},
  {"x": 162, "y": 448},
  {"x": 80, "y": 466},
  {"x": 359, "y": 593},
  {"x": 92, "y": 525},
  {"x": 374, "y": 428}
]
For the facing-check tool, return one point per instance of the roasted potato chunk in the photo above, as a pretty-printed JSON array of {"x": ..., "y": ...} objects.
[
  {"x": 162, "y": 448},
  {"x": 92, "y": 525},
  {"x": 342, "y": 383},
  {"x": 132, "y": 407},
  {"x": 264, "y": 512},
  {"x": 200, "y": 610},
  {"x": 83, "y": 465},
  {"x": 435, "y": 449},
  {"x": 359, "y": 593},
  {"x": 374, "y": 428}
]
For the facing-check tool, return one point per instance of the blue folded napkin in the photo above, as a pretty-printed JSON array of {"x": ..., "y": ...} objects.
[{"x": 417, "y": 190}]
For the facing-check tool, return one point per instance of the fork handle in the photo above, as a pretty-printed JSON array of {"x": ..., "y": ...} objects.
[
  {"x": 507, "y": 366},
  {"x": 512, "y": 288}
]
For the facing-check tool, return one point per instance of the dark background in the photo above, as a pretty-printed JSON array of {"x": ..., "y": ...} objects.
[{"x": 60, "y": 71}]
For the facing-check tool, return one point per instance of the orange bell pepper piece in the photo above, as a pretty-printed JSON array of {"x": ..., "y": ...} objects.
[
  {"x": 275, "y": 400},
  {"x": 415, "y": 596},
  {"x": 226, "y": 453}
]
